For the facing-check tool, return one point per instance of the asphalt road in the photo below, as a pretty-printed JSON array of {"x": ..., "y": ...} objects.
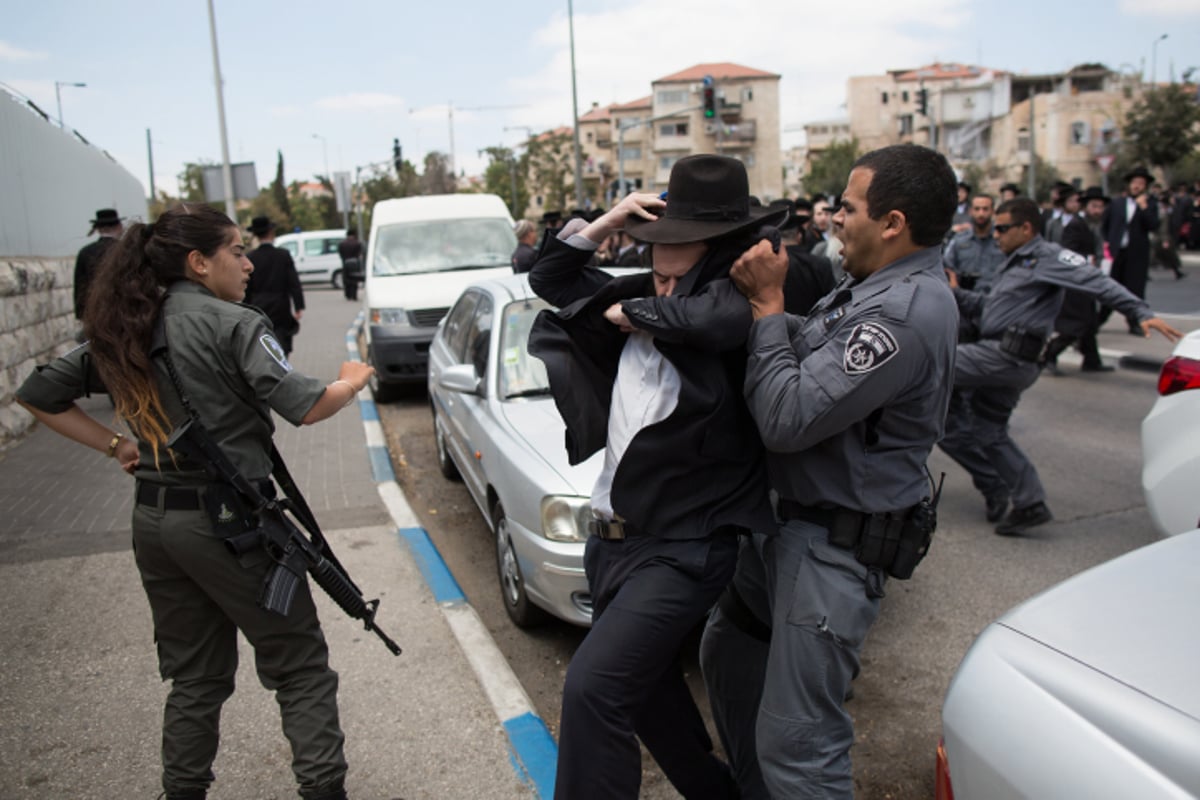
[{"x": 1082, "y": 431}]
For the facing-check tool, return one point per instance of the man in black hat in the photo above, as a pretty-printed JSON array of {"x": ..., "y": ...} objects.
[
  {"x": 648, "y": 369},
  {"x": 108, "y": 224},
  {"x": 1008, "y": 191},
  {"x": 274, "y": 284},
  {"x": 809, "y": 277},
  {"x": 1127, "y": 225},
  {"x": 1078, "y": 321},
  {"x": 350, "y": 250}
]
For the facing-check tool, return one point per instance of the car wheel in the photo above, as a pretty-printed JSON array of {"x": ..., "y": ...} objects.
[
  {"x": 520, "y": 608},
  {"x": 336, "y": 279},
  {"x": 445, "y": 461}
]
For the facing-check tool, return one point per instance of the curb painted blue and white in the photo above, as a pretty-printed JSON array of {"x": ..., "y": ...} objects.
[{"x": 532, "y": 750}]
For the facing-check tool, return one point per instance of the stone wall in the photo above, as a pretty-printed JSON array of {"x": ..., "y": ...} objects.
[{"x": 37, "y": 323}]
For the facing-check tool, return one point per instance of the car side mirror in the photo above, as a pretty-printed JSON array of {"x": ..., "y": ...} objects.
[{"x": 460, "y": 378}]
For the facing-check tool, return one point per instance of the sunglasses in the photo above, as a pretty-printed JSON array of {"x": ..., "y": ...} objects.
[{"x": 1004, "y": 228}]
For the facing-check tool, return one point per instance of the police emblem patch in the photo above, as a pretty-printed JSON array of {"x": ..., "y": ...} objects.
[
  {"x": 275, "y": 350},
  {"x": 1072, "y": 258},
  {"x": 870, "y": 346}
]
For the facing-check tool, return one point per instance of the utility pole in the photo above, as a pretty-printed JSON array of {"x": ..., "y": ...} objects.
[
  {"x": 575, "y": 111},
  {"x": 226, "y": 170},
  {"x": 150, "y": 156},
  {"x": 1032, "y": 181}
]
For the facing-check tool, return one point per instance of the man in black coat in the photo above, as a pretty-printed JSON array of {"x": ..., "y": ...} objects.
[
  {"x": 649, "y": 369},
  {"x": 108, "y": 224},
  {"x": 350, "y": 250},
  {"x": 525, "y": 254},
  {"x": 1127, "y": 225},
  {"x": 274, "y": 284},
  {"x": 1078, "y": 320}
]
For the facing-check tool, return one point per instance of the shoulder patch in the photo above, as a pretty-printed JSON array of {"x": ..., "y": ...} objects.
[
  {"x": 275, "y": 351},
  {"x": 870, "y": 345},
  {"x": 1071, "y": 257}
]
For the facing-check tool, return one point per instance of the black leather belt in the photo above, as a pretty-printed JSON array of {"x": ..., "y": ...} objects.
[
  {"x": 612, "y": 529},
  {"x": 790, "y": 509},
  {"x": 174, "y": 498}
]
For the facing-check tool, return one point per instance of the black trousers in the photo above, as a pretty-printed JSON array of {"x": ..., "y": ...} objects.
[
  {"x": 349, "y": 287},
  {"x": 625, "y": 681},
  {"x": 1130, "y": 273}
]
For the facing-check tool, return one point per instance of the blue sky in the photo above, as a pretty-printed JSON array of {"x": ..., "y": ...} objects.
[{"x": 358, "y": 73}]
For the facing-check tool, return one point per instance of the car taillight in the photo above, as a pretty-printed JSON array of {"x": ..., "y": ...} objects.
[
  {"x": 941, "y": 782},
  {"x": 1179, "y": 374}
]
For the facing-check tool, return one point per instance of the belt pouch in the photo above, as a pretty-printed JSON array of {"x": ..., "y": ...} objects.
[
  {"x": 845, "y": 529},
  {"x": 227, "y": 511}
]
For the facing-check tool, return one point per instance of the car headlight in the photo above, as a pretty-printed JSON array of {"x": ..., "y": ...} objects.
[
  {"x": 565, "y": 518},
  {"x": 389, "y": 316}
]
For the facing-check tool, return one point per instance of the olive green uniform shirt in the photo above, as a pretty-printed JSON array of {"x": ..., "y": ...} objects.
[{"x": 231, "y": 367}]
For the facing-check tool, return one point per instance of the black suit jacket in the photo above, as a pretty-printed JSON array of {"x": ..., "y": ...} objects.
[
  {"x": 1078, "y": 314},
  {"x": 85, "y": 269},
  {"x": 1143, "y": 222},
  {"x": 702, "y": 467},
  {"x": 809, "y": 278},
  {"x": 275, "y": 286}
]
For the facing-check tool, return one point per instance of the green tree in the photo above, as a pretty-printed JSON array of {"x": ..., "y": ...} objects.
[
  {"x": 550, "y": 162},
  {"x": 505, "y": 173},
  {"x": 279, "y": 190},
  {"x": 1044, "y": 177},
  {"x": 1163, "y": 127},
  {"x": 191, "y": 182},
  {"x": 831, "y": 168},
  {"x": 437, "y": 178},
  {"x": 976, "y": 176}
]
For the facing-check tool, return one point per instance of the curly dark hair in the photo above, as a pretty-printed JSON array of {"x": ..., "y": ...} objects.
[{"x": 124, "y": 300}]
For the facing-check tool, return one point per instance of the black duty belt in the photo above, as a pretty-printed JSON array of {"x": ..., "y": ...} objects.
[
  {"x": 612, "y": 529},
  {"x": 825, "y": 517},
  {"x": 174, "y": 498},
  {"x": 1022, "y": 344}
]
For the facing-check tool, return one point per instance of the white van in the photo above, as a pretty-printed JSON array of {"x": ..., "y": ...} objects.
[
  {"x": 315, "y": 254},
  {"x": 422, "y": 253}
]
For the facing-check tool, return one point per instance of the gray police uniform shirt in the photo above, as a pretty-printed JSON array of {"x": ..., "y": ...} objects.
[
  {"x": 232, "y": 369},
  {"x": 968, "y": 254},
  {"x": 1028, "y": 291},
  {"x": 851, "y": 399}
]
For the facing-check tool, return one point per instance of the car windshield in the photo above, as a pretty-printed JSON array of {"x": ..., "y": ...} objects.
[
  {"x": 521, "y": 375},
  {"x": 442, "y": 245}
]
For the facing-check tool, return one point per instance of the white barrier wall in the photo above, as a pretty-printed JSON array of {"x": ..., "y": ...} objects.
[{"x": 51, "y": 185}]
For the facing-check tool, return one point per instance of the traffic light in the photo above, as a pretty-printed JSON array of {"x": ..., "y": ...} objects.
[
  {"x": 397, "y": 159},
  {"x": 923, "y": 101},
  {"x": 710, "y": 98}
]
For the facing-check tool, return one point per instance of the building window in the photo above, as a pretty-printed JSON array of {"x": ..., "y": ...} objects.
[
  {"x": 1023, "y": 140},
  {"x": 631, "y": 154},
  {"x": 885, "y": 98},
  {"x": 589, "y": 137},
  {"x": 673, "y": 129},
  {"x": 672, "y": 97},
  {"x": 906, "y": 124},
  {"x": 749, "y": 159},
  {"x": 666, "y": 162},
  {"x": 1081, "y": 133},
  {"x": 904, "y": 96},
  {"x": 747, "y": 94}
]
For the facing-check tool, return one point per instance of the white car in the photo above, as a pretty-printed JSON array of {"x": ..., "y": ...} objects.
[
  {"x": 496, "y": 427},
  {"x": 1088, "y": 690},
  {"x": 1171, "y": 442},
  {"x": 315, "y": 254}
]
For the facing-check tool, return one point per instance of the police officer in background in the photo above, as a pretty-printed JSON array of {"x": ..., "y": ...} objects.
[
  {"x": 1015, "y": 319},
  {"x": 849, "y": 401},
  {"x": 188, "y": 269},
  {"x": 973, "y": 254},
  {"x": 275, "y": 284},
  {"x": 108, "y": 224}
]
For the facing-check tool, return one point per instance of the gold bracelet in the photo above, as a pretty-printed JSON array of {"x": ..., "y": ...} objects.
[{"x": 112, "y": 446}]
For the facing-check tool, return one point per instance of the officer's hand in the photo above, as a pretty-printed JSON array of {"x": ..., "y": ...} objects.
[
  {"x": 127, "y": 454},
  {"x": 356, "y": 373},
  {"x": 759, "y": 274},
  {"x": 1156, "y": 324},
  {"x": 616, "y": 315},
  {"x": 952, "y": 276}
]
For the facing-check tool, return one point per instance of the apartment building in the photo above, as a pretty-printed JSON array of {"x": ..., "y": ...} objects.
[{"x": 983, "y": 116}]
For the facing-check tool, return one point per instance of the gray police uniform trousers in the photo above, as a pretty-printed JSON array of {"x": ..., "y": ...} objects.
[
  {"x": 200, "y": 596},
  {"x": 988, "y": 383},
  {"x": 778, "y": 707}
]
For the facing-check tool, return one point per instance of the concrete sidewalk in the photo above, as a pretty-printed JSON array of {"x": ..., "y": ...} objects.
[{"x": 81, "y": 699}]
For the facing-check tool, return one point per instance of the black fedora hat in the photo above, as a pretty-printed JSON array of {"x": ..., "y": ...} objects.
[
  {"x": 707, "y": 196},
  {"x": 260, "y": 225},
  {"x": 1093, "y": 193},
  {"x": 1011, "y": 187},
  {"x": 106, "y": 217},
  {"x": 1138, "y": 172}
]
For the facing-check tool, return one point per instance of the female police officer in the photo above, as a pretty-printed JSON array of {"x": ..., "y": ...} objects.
[{"x": 190, "y": 269}]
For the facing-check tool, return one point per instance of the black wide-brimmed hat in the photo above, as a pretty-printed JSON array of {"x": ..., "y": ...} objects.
[
  {"x": 1138, "y": 172},
  {"x": 1011, "y": 187},
  {"x": 1093, "y": 193},
  {"x": 107, "y": 216},
  {"x": 707, "y": 196},
  {"x": 261, "y": 225}
]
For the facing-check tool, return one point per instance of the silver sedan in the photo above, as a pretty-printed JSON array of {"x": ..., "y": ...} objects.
[{"x": 497, "y": 429}]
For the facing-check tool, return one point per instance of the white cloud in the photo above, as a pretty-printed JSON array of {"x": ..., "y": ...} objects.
[
  {"x": 10, "y": 52},
  {"x": 1160, "y": 8},
  {"x": 360, "y": 101}
]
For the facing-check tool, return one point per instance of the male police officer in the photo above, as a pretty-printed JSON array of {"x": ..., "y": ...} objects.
[
  {"x": 849, "y": 402},
  {"x": 973, "y": 254},
  {"x": 1014, "y": 321}
]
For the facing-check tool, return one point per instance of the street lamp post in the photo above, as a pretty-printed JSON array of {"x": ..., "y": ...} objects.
[
  {"x": 1154, "y": 59},
  {"x": 226, "y": 169},
  {"x": 575, "y": 111},
  {"x": 58, "y": 97},
  {"x": 324, "y": 154}
]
